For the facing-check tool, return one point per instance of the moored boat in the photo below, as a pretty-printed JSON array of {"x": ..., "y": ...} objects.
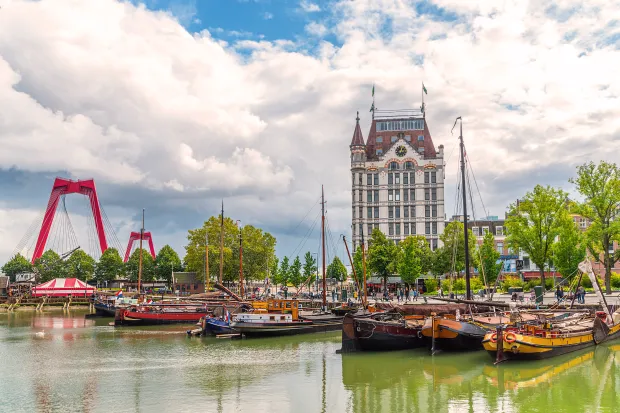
[
  {"x": 382, "y": 332},
  {"x": 449, "y": 333},
  {"x": 153, "y": 314}
]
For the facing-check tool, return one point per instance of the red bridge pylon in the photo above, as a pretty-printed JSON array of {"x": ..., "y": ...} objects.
[{"x": 135, "y": 236}]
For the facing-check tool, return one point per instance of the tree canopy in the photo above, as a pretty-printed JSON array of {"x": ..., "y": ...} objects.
[
  {"x": 382, "y": 255},
  {"x": 132, "y": 266},
  {"x": 110, "y": 266},
  {"x": 81, "y": 265},
  {"x": 258, "y": 250},
  {"x": 336, "y": 270},
  {"x": 453, "y": 239},
  {"x": 166, "y": 261},
  {"x": 15, "y": 266},
  {"x": 569, "y": 250},
  {"x": 487, "y": 258},
  {"x": 50, "y": 266},
  {"x": 600, "y": 187},
  {"x": 534, "y": 222},
  {"x": 282, "y": 274},
  {"x": 309, "y": 268},
  {"x": 414, "y": 259},
  {"x": 295, "y": 276}
]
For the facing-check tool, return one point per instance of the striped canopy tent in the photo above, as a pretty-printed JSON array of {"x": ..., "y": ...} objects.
[{"x": 62, "y": 287}]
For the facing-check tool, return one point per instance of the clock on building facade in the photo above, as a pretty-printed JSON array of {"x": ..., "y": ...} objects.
[{"x": 401, "y": 151}]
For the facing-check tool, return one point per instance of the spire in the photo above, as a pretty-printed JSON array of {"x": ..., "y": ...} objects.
[{"x": 358, "y": 138}]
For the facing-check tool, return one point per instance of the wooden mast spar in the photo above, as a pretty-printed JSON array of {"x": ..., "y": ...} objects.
[
  {"x": 323, "y": 247},
  {"x": 221, "y": 245}
]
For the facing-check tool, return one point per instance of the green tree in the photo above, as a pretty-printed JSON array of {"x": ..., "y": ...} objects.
[
  {"x": 281, "y": 276},
  {"x": 382, "y": 255},
  {"x": 415, "y": 258},
  {"x": 294, "y": 276},
  {"x": 569, "y": 250},
  {"x": 309, "y": 268},
  {"x": 166, "y": 261},
  {"x": 110, "y": 266},
  {"x": 600, "y": 187},
  {"x": 441, "y": 261},
  {"x": 15, "y": 266},
  {"x": 50, "y": 266},
  {"x": 337, "y": 270},
  {"x": 453, "y": 239},
  {"x": 273, "y": 269},
  {"x": 258, "y": 250},
  {"x": 81, "y": 265},
  {"x": 132, "y": 266},
  {"x": 487, "y": 258},
  {"x": 358, "y": 265},
  {"x": 534, "y": 222}
]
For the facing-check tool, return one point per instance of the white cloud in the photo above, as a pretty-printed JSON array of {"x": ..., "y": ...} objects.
[
  {"x": 309, "y": 7},
  {"x": 316, "y": 29},
  {"x": 128, "y": 96},
  {"x": 267, "y": 16}
]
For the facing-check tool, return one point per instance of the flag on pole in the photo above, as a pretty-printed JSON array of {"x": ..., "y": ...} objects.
[
  {"x": 119, "y": 294},
  {"x": 373, "y": 90},
  {"x": 424, "y": 89}
]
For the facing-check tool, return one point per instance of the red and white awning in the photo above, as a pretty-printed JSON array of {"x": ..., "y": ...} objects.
[{"x": 62, "y": 287}]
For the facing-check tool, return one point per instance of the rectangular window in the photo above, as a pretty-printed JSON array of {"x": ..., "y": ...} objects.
[
  {"x": 420, "y": 138},
  {"x": 406, "y": 212},
  {"x": 413, "y": 212},
  {"x": 427, "y": 178},
  {"x": 412, "y": 178},
  {"x": 390, "y": 229},
  {"x": 485, "y": 230},
  {"x": 434, "y": 228},
  {"x": 368, "y": 179},
  {"x": 405, "y": 178},
  {"x": 433, "y": 194},
  {"x": 406, "y": 228},
  {"x": 397, "y": 212},
  {"x": 434, "y": 211},
  {"x": 427, "y": 194},
  {"x": 499, "y": 231},
  {"x": 352, "y": 213},
  {"x": 359, "y": 176},
  {"x": 393, "y": 139},
  {"x": 526, "y": 263},
  {"x": 500, "y": 247},
  {"x": 582, "y": 224},
  {"x": 376, "y": 179},
  {"x": 361, "y": 215},
  {"x": 359, "y": 193},
  {"x": 397, "y": 178},
  {"x": 369, "y": 229},
  {"x": 369, "y": 211},
  {"x": 361, "y": 228},
  {"x": 353, "y": 178},
  {"x": 391, "y": 195},
  {"x": 379, "y": 139},
  {"x": 413, "y": 230},
  {"x": 390, "y": 179},
  {"x": 377, "y": 195},
  {"x": 475, "y": 231},
  {"x": 376, "y": 212},
  {"x": 408, "y": 138},
  {"x": 433, "y": 177},
  {"x": 412, "y": 195},
  {"x": 397, "y": 229},
  {"x": 405, "y": 195},
  {"x": 397, "y": 195},
  {"x": 379, "y": 152},
  {"x": 369, "y": 196},
  {"x": 391, "y": 212},
  {"x": 427, "y": 228},
  {"x": 427, "y": 211},
  {"x": 434, "y": 244}
]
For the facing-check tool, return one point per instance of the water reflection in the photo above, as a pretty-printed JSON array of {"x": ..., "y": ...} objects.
[{"x": 86, "y": 365}]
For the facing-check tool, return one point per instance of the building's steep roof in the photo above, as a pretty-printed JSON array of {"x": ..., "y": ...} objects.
[
  {"x": 386, "y": 138},
  {"x": 358, "y": 138}
]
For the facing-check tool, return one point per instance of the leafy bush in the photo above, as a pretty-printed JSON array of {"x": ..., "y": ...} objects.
[
  {"x": 476, "y": 284},
  {"x": 431, "y": 285},
  {"x": 586, "y": 283},
  {"x": 615, "y": 280},
  {"x": 536, "y": 281},
  {"x": 459, "y": 284},
  {"x": 512, "y": 282}
]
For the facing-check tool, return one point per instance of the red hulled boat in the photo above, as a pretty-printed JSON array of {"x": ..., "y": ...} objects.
[{"x": 157, "y": 313}]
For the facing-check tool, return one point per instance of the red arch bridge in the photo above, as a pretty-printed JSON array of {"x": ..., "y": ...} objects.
[{"x": 54, "y": 230}]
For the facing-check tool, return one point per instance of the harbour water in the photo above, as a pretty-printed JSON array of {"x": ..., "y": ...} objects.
[{"x": 79, "y": 365}]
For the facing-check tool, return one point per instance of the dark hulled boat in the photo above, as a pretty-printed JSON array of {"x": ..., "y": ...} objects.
[
  {"x": 449, "y": 334},
  {"x": 381, "y": 332}
]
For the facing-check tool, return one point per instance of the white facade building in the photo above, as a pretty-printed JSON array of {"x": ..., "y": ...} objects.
[{"x": 397, "y": 180}]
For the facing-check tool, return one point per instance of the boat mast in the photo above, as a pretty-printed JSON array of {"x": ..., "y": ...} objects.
[
  {"x": 467, "y": 275},
  {"x": 221, "y": 245},
  {"x": 140, "y": 264},
  {"x": 365, "y": 304},
  {"x": 207, "y": 275},
  {"x": 240, "y": 260},
  {"x": 323, "y": 246}
]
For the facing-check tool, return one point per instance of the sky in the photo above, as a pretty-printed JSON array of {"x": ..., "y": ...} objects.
[{"x": 173, "y": 106}]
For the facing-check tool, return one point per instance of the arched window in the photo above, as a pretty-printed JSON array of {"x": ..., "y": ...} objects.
[
  {"x": 408, "y": 165},
  {"x": 393, "y": 165}
]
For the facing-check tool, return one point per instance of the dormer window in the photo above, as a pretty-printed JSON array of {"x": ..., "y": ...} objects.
[
  {"x": 408, "y": 165},
  {"x": 393, "y": 166}
]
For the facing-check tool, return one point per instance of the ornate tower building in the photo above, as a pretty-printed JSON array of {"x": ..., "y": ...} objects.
[{"x": 397, "y": 179}]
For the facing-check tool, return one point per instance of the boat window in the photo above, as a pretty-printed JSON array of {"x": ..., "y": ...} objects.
[
  {"x": 281, "y": 317},
  {"x": 288, "y": 305},
  {"x": 272, "y": 318},
  {"x": 295, "y": 304}
]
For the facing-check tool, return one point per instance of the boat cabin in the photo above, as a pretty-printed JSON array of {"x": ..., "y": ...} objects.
[
  {"x": 274, "y": 307},
  {"x": 263, "y": 317}
]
